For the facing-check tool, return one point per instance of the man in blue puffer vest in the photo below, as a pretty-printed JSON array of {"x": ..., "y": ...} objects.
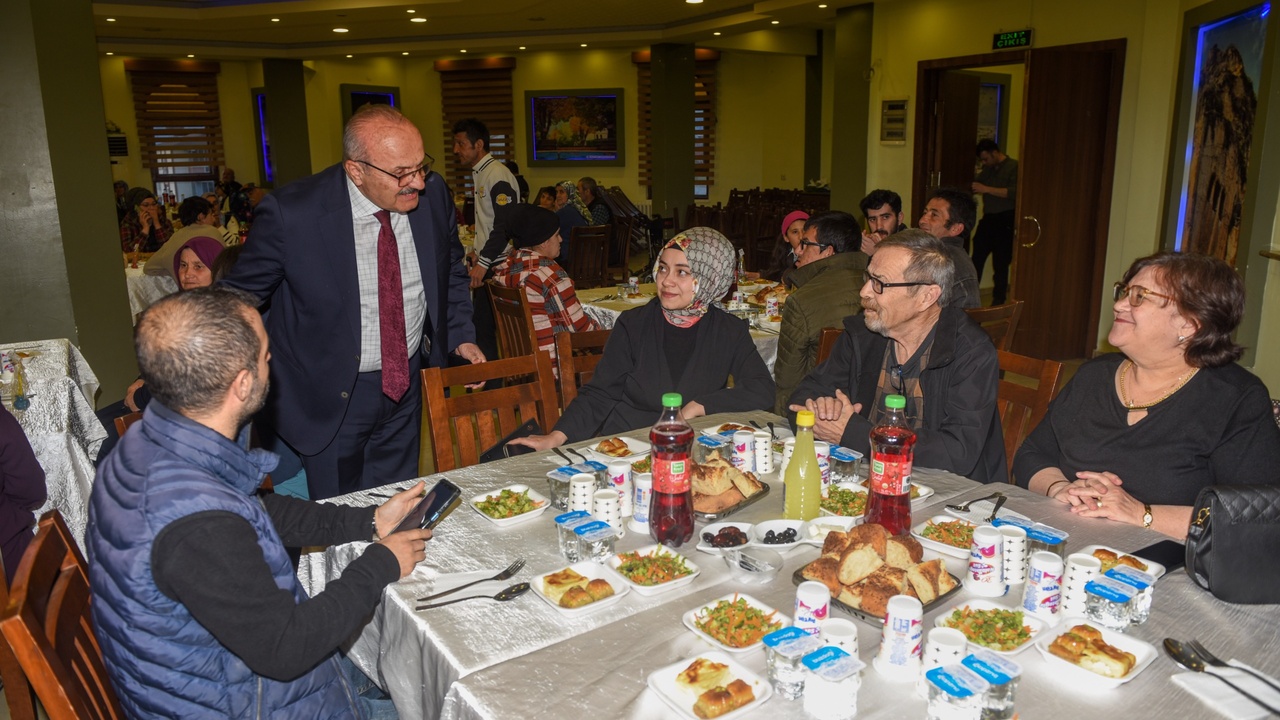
[{"x": 195, "y": 603}]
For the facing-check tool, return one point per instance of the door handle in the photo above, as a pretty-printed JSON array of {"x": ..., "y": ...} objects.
[{"x": 1033, "y": 219}]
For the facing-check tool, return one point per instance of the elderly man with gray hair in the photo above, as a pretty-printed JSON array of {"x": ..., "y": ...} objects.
[{"x": 910, "y": 340}]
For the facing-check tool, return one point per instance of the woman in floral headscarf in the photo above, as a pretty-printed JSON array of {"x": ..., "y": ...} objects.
[
  {"x": 572, "y": 213},
  {"x": 678, "y": 342}
]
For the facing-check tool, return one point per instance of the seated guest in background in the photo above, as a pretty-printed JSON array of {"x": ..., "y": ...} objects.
[
  {"x": 199, "y": 219},
  {"x": 146, "y": 226},
  {"x": 535, "y": 235},
  {"x": 788, "y": 246},
  {"x": 590, "y": 192},
  {"x": 122, "y": 207},
  {"x": 242, "y": 205},
  {"x": 827, "y": 275},
  {"x": 193, "y": 266},
  {"x": 195, "y": 602},
  {"x": 228, "y": 238},
  {"x": 22, "y": 492},
  {"x": 1136, "y": 435},
  {"x": 546, "y": 198},
  {"x": 949, "y": 215},
  {"x": 678, "y": 342},
  {"x": 911, "y": 341},
  {"x": 572, "y": 213},
  {"x": 882, "y": 210}
]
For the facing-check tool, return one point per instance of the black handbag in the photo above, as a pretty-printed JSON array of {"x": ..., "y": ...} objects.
[{"x": 1233, "y": 543}]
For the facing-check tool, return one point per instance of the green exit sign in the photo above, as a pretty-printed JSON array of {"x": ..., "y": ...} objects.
[{"x": 1009, "y": 40}]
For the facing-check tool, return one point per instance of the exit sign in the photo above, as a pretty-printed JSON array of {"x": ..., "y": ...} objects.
[{"x": 1009, "y": 40}]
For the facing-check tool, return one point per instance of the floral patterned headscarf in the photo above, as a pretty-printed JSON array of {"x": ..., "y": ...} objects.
[
  {"x": 576, "y": 201},
  {"x": 711, "y": 260}
]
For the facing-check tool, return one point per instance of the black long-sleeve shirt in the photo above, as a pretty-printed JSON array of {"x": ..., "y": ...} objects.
[{"x": 212, "y": 564}]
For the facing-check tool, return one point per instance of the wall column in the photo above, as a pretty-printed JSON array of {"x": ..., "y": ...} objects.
[
  {"x": 671, "y": 110},
  {"x": 851, "y": 107},
  {"x": 59, "y": 240},
  {"x": 286, "y": 91}
]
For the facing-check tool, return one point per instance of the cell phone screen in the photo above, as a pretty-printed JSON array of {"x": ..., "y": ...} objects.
[
  {"x": 1172, "y": 555},
  {"x": 513, "y": 450},
  {"x": 439, "y": 501}
]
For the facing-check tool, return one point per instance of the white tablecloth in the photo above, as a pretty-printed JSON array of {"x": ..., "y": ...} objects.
[
  {"x": 60, "y": 424},
  {"x": 146, "y": 289},
  {"x": 604, "y": 307}
]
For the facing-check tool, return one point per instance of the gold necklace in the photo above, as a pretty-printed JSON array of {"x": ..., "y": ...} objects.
[{"x": 1135, "y": 407}]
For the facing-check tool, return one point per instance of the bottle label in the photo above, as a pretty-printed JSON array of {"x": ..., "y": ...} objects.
[
  {"x": 890, "y": 474},
  {"x": 670, "y": 476}
]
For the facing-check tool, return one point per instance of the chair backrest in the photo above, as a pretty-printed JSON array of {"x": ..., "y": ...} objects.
[
  {"x": 47, "y": 623},
  {"x": 125, "y": 421},
  {"x": 1022, "y": 407},
  {"x": 827, "y": 342},
  {"x": 578, "y": 354},
  {"x": 1000, "y": 322},
  {"x": 513, "y": 320},
  {"x": 620, "y": 248},
  {"x": 17, "y": 691},
  {"x": 589, "y": 256},
  {"x": 473, "y": 422}
]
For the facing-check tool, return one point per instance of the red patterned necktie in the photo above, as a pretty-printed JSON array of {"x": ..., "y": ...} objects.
[{"x": 395, "y": 351}]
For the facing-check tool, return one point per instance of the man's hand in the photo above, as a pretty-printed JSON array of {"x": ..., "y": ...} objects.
[
  {"x": 128, "y": 394},
  {"x": 542, "y": 442},
  {"x": 472, "y": 354},
  {"x": 831, "y": 415},
  {"x": 410, "y": 548},
  {"x": 693, "y": 409},
  {"x": 477, "y": 273},
  {"x": 390, "y": 513},
  {"x": 978, "y": 187},
  {"x": 869, "y": 242}
]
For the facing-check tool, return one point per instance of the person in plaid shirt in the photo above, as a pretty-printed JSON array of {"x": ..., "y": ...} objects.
[{"x": 535, "y": 237}]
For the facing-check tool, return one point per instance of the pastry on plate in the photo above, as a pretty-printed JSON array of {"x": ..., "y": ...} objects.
[{"x": 702, "y": 674}]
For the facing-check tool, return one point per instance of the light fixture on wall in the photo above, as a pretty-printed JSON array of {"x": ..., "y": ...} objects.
[
  {"x": 340, "y": 30},
  {"x": 417, "y": 19}
]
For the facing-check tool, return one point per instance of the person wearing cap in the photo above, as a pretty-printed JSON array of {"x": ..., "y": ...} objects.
[
  {"x": 787, "y": 247},
  {"x": 553, "y": 303},
  {"x": 829, "y": 267},
  {"x": 678, "y": 342},
  {"x": 146, "y": 226}
]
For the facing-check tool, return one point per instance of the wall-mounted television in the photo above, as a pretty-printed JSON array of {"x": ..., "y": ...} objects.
[{"x": 575, "y": 127}]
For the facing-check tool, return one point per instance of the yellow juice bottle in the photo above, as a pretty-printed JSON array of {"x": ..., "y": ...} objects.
[{"x": 803, "y": 478}]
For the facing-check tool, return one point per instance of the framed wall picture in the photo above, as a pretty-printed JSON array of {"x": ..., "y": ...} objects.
[
  {"x": 575, "y": 127},
  {"x": 356, "y": 96}
]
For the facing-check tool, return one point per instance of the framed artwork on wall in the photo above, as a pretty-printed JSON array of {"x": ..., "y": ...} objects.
[{"x": 575, "y": 127}]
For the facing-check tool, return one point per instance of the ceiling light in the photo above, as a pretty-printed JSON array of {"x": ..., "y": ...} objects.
[
  {"x": 404, "y": 53},
  {"x": 463, "y": 50},
  {"x": 275, "y": 19},
  {"x": 693, "y": 2},
  {"x": 340, "y": 30},
  {"x": 351, "y": 56},
  {"x": 522, "y": 47},
  {"x": 715, "y": 33},
  {"x": 775, "y": 22},
  {"x": 584, "y": 44},
  {"x": 411, "y": 11},
  {"x": 417, "y": 19},
  {"x": 822, "y": 7},
  {"x": 111, "y": 53},
  {"x": 111, "y": 19},
  {"x": 191, "y": 56}
]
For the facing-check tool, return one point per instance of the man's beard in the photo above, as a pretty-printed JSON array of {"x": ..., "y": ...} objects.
[
  {"x": 876, "y": 324},
  {"x": 256, "y": 403}
]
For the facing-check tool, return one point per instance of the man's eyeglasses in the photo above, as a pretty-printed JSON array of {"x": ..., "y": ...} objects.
[
  {"x": 879, "y": 285},
  {"x": 407, "y": 177},
  {"x": 810, "y": 243},
  {"x": 895, "y": 377},
  {"x": 1137, "y": 293}
]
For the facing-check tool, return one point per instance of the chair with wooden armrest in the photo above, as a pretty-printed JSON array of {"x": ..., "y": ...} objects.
[
  {"x": 1022, "y": 407},
  {"x": 1000, "y": 322}
]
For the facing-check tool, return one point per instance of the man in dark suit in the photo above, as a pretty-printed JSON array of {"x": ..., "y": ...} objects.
[{"x": 363, "y": 272}]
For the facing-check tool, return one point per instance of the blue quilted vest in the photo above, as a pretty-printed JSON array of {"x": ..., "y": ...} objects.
[{"x": 162, "y": 662}]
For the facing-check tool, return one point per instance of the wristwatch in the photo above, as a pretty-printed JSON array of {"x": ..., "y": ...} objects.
[{"x": 1146, "y": 515}]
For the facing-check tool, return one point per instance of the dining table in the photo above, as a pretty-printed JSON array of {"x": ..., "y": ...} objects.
[
  {"x": 524, "y": 658},
  {"x": 604, "y": 306},
  {"x": 60, "y": 423},
  {"x": 144, "y": 290}
]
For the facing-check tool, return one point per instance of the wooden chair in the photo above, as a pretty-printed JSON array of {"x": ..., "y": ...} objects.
[
  {"x": 475, "y": 421},
  {"x": 125, "y": 421},
  {"x": 1000, "y": 322},
  {"x": 620, "y": 248},
  {"x": 578, "y": 354},
  {"x": 18, "y": 694},
  {"x": 1022, "y": 407},
  {"x": 513, "y": 319},
  {"x": 589, "y": 256},
  {"x": 47, "y": 623},
  {"x": 827, "y": 342}
]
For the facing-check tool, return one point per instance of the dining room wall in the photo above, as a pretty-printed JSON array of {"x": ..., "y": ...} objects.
[{"x": 760, "y": 133}]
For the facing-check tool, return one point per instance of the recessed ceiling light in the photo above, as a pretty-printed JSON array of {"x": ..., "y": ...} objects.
[
  {"x": 522, "y": 47},
  {"x": 693, "y": 2},
  {"x": 340, "y": 30},
  {"x": 417, "y": 19},
  {"x": 111, "y": 19},
  {"x": 404, "y": 53},
  {"x": 351, "y": 56},
  {"x": 111, "y": 53},
  {"x": 584, "y": 44},
  {"x": 715, "y": 33},
  {"x": 411, "y": 11},
  {"x": 275, "y": 19},
  {"x": 191, "y": 56},
  {"x": 822, "y": 7},
  {"x": 775, "y": 22},
  {"x": 462, "y": 50}
]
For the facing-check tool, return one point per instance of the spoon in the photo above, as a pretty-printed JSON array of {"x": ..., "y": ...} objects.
[
  {"x": 772, "y": 434},
  {"x": 1000, "y": 501},
  {"x": 560, "y": 452},
  {"x": 510, "y": 593},
  {"x": 1188, "y": 659}
]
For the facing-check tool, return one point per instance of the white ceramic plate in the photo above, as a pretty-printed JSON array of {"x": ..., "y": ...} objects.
[
  {"x": 925, "y": 492},
  {"x": 714, "y": 528},
  {"x": 591, "y": 571},
  {"x": 643, "y": 298},
  {"x": 692, "y": 617},
  {"x": 534, "y": 495},
  {"x": 639, "y": 448},
  {"x": 1153, "y": 567},
  {"x": 663, "y": 683},
  {"x": 1077, "y": 677},
  {"x": 616, "y": 561},
  {"x": 1037, "y": 625},
  {"x": 823, "y": 512},
  {"x": 777, "y": 526},
  {"x": 941, "y": 548},
  {"x": 980, "y": 511},
  {"x": 815, "y": 531}
]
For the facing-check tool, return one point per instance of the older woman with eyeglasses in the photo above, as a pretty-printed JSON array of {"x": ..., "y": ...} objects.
[{"x": 1137, "y": 434}]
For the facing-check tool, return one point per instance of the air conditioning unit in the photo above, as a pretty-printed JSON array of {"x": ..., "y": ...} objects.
[{"x": 118, "y": 146}]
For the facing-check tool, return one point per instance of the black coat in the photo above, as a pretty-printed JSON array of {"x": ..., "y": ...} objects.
[{"x": 626, "y": 390}]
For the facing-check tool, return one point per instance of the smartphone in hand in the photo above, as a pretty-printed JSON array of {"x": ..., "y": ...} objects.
[{"x": 434, "y": 507}]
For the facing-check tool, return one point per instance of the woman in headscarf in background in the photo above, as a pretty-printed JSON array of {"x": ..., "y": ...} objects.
[
  {"x": 573, "y": 213},
  {"x": 678, "y": 342},
  {"x": 193, "y": 265}
]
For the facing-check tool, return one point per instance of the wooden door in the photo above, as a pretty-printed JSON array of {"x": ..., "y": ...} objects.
[
  {"x": 957, "y": 129},
  {"x": 1064, "y": 196}
]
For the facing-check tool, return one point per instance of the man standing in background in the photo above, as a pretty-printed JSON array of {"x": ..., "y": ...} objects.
[{"x": 998, "y": 184}]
